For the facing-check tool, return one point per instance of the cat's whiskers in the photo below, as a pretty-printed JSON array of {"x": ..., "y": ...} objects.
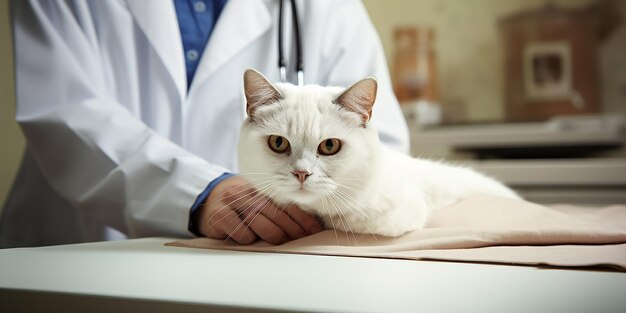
[
  {"x": 245, "y": 184},
  {"x": 363, "y": 221},
  {"x": 349, "y": 178},
  {"x": 267, "y": 188},
  {"x": 238, "y": 216},
  {"x": 260, "y": 193},
  {"x": 250, "y": 189},
  {"x": 255, "y": 212},
  {"x": 273, "y": 197},
  {"x": 361, "y": 209},
  {"x": 235, "y": 188},
  {"x": 345, "y": 224},
  {"x": 330, "y": 200},
  {"x": 227, "y": 206},
  {"x": 289, "y": 208},
  {"x": 348, "y": 187},
  {"x": 251, "y": 217},
  {"x": 257, "y": 194},
  {"x": 323, "y": 202},
  {"x": 258, "y": 211}
]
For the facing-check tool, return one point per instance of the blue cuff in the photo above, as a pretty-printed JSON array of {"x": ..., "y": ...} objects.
[{"x": 191, "y": 225}]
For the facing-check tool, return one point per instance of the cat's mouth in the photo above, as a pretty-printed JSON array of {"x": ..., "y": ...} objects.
[
  {"x": 303, "y": 196},
  {"x": 303, "y": 190}
]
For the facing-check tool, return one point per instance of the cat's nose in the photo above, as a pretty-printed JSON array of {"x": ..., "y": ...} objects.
[{"x": 301, "y": 174}]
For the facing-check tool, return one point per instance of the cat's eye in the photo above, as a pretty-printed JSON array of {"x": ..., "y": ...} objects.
[
  {"x": 329, "y": 146},
  {"x": 278, "y": 144}
]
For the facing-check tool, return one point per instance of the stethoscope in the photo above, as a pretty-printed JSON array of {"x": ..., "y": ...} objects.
[{"x": 282, "y": 67}]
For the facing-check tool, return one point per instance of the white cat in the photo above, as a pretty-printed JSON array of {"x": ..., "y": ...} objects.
[{"x": 312, "y": 146}]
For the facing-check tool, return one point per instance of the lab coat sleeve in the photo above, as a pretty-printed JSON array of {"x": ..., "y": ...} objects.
[
  {"x": 93, "y": 151},
  {"x": 352, "y": 51}
]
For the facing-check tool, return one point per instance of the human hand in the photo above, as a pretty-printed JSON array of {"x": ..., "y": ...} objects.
[{"x": 234, "y": 209}]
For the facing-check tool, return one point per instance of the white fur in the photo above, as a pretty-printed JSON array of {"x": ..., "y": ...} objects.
[{"x": 365, "y": 187}]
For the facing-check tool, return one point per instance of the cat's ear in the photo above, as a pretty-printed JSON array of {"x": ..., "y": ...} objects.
[
  {"x": 360, "y": 98},
  {"x": 259, "y": 91}
]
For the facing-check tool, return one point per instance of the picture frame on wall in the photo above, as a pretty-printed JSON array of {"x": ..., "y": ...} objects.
[
  {"x": 548, "y": 71},
  {"x": 551, "y": 60}
]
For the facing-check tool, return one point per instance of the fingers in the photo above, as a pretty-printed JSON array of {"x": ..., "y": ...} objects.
[
  {"x": 307, "y": 221},
  {"x": 242, "y": 197},
  {"x": 236, "y": 210},
  {"x": 263, "y": 226},
  {"x": 227, "y": 223},
  {"x": 273, "y": 225},
  {"x": 284, "y": 221}
]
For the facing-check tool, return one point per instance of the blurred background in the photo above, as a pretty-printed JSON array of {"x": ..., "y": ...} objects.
[
  {"x": 466, "y": 41},
  {"x": 11, "y": 139},
  {"x": 532, "y": 92}
]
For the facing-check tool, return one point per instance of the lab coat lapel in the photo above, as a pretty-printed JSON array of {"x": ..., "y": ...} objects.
[
  {"x": 157, "y": 19},
  {"x": 241, "y": 22}
]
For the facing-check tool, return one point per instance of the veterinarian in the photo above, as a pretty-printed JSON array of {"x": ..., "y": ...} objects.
[{"x": 131, "y": 111}]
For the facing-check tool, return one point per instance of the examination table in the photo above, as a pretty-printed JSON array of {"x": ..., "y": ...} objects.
[{"x": 318, "y": 275}]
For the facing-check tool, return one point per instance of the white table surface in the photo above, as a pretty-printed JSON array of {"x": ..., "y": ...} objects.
[{"x": 143, "y": 275}]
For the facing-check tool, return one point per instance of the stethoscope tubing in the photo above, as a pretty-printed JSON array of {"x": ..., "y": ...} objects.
[{"x": 282, "y": 65}]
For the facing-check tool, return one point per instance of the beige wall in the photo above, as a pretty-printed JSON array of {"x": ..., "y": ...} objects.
[
  {"x": 10, "y": 136},
  {"x": 469, "y": 51}
]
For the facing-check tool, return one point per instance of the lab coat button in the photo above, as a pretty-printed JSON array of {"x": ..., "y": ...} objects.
[
  {"x": 199, "y": 6},
  {"x": 192, "y": 55}
]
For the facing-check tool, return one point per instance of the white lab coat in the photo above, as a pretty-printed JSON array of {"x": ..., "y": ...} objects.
[{"x": 117, "y": 145}]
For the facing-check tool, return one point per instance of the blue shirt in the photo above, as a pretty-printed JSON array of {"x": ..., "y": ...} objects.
[{"x": 196, "y": 19}]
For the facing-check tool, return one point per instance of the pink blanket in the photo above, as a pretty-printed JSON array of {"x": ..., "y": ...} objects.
[{"x": 491, "y": 230}]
